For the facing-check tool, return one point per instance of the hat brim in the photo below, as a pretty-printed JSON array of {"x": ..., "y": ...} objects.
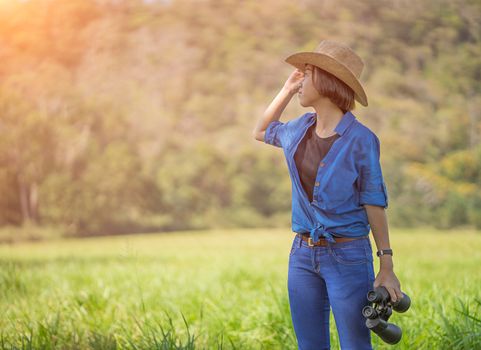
[{"x": 332, "y": 66}]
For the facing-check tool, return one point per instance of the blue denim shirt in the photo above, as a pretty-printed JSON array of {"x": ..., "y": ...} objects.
[{"x": 348, "y": 177}]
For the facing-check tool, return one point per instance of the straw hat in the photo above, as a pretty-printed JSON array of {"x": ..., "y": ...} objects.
[{"x": 337, "y": 59}]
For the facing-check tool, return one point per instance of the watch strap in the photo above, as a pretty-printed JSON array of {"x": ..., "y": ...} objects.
[{"x": 384, "y": 252}]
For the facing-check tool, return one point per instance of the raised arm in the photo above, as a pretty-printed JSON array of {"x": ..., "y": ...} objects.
[{"x": 277, "y": 106}]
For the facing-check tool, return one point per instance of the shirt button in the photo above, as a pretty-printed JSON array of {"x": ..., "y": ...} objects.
[
  {"x": 317, "y": 183},
  {"x": 322, "y": 164}
]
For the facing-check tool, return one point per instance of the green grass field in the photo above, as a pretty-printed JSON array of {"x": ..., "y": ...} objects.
[{"x": 216, "y": 290}]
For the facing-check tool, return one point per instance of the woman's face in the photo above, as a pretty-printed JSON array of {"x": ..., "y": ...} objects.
[{"x": 307, "y": 93}]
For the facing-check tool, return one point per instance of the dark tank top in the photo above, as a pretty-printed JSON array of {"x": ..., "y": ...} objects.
[{"x": 311, "y": 150}]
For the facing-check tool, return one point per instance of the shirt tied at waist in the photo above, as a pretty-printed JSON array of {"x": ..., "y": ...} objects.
[{"x": 319, "y": 229}]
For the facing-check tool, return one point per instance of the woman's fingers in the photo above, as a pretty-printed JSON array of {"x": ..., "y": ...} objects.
[
  {"x": 399, "y": 293},
  {"x": 396, "y": 293},
  {"x": 392, "y": 293},
  {"x": 296, "y": 77},
  {"x": 299, "y": 73}
]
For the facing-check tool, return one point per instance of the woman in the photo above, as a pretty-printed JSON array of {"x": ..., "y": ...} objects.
[{"x": 338, "y": 197}]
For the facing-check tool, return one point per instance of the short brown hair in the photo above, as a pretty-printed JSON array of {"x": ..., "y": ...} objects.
[{"x": 332, "y": 87}]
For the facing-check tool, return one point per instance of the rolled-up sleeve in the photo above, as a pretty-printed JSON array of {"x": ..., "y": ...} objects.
[
  {"x": 276, "y": 133},
  {"x": 373, "y": 189}
]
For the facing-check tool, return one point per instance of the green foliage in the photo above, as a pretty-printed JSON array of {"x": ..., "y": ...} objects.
[
  {"x": 473, "y": 212},
  {"x": 129, "y": 116},
  {"x": 452, "y": 213},
  {"x": 462, "y": 330},
  {"x": 169, "y": 291}
]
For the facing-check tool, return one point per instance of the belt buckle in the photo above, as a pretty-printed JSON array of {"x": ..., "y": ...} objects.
[{"x": 309, "y": 242}]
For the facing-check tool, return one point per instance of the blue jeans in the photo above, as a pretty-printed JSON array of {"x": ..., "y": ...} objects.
[{"x": 338, "y": 275}]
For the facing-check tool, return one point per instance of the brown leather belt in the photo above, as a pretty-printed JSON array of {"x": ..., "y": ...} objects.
[{"x": 323, "y": 241}]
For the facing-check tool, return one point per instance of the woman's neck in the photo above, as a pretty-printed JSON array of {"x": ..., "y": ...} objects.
[{"x": 328, "y": 115}]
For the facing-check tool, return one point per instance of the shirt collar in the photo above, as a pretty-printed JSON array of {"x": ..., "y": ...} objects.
[{"x": 346, "y": 120}]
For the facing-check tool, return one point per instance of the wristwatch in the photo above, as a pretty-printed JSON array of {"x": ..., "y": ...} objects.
[{"x": 384, "y": 251}]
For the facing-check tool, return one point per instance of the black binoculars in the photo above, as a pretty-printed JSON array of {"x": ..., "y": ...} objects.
[{"x": 378, "y": 311}]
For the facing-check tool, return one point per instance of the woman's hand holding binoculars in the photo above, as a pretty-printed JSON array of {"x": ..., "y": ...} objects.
[{"x": 387, "y": 279}]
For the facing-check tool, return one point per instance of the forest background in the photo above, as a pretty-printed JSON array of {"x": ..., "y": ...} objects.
[{"x": 137, "y": 116}]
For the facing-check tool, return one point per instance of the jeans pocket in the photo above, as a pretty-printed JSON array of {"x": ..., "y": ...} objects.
[{"x": 351, "y": 254}]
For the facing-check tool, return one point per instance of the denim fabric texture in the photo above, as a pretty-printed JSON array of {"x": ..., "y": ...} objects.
[
  {"x": 348, "y": 177},
  {"x": 338, "y": 275}
]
